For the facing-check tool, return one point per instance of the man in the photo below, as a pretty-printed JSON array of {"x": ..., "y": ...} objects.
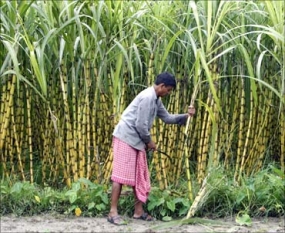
[{"x": 131, "y": 139}]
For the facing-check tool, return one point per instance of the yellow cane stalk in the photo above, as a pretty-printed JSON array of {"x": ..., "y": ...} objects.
[
  {"x": 2, "y": 103},
  {"x": 176, "y": 163},
  {"x": 264, "y": 134},
  {"x": 171, "y": 166},
  {"x": 82, "y": 139},
  {"x": 18, "y": 150},
  {"x": 231, "y": 128},
  {"x": 259, "y": 120},
  {"x": 88, "y": 132},
  {"x": 8, "y": 107},
  {"x": 186, "y": 154},
  {"x": 95, "y": 161},
  {"x": 200, "y": 195},
  {"x": 282, "y": 140},
  {"x": 70, "y": 160},
  {"x": 247, "y": 141},
  {"x": 160, "y": 165},
  {"x": 29, "y": 126},
  {"x": 241, "y": 129},
  {"x": 206, "y": 130}
]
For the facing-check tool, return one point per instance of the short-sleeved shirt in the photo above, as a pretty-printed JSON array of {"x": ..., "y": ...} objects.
[{"x": 137, "y": 119}]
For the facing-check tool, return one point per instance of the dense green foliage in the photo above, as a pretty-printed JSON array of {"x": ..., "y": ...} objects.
[{"x": 262, "y": 195}]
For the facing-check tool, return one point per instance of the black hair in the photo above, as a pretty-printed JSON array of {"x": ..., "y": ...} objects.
[{"x": 167, "y": 79}]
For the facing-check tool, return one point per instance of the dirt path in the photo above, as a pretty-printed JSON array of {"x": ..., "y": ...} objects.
[{"x": 49, "y": 223}]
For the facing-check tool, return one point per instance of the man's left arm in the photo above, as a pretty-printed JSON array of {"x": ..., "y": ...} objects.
[
  {"x": 191, "y": 112},
  {"x": 168, "y": 118}
]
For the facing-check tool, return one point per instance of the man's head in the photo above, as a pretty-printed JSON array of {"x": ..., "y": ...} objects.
[{"x": 164, "y": 84}]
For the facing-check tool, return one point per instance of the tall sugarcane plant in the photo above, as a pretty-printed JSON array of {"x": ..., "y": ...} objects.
[{"x": 69, "y": 68}]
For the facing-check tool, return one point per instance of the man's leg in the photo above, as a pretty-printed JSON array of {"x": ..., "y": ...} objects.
[
  {"x": 138, "y": 206},
  {"x": 115, "y": 195},
  {"x": 139, "y": 211}
]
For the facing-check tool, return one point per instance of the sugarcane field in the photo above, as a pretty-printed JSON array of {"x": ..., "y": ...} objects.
[{"x": 187, "y": 97}]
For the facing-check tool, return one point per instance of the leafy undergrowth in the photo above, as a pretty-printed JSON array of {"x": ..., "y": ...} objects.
[{"x": 259, "y": 195}]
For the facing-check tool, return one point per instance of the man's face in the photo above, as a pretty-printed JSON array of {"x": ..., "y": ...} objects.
[{"x": 165, "y": 90}]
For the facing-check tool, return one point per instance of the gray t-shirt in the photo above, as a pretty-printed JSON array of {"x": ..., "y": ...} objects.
[{"x": 137, "y": 119}]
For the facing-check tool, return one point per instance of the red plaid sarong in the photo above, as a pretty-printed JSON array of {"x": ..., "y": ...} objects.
[{"x": 130, "y": 168}]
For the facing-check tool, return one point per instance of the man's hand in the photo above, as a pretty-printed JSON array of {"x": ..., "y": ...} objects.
[
  {"x": 151, "y": 146},
  {"x": 191, "y": 110}
]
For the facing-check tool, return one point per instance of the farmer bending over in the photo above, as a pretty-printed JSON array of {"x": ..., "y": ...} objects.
[{"x": 131, "y": 139}]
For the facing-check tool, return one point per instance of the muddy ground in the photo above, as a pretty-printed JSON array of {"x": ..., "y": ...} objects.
[{"x": 60, "y": 223}]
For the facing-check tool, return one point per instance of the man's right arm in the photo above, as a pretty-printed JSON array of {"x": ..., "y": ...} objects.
[{"x": 142, "y": 123}]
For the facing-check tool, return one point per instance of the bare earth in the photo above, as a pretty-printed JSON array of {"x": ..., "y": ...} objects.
[{"x": 59, "y": 223}]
